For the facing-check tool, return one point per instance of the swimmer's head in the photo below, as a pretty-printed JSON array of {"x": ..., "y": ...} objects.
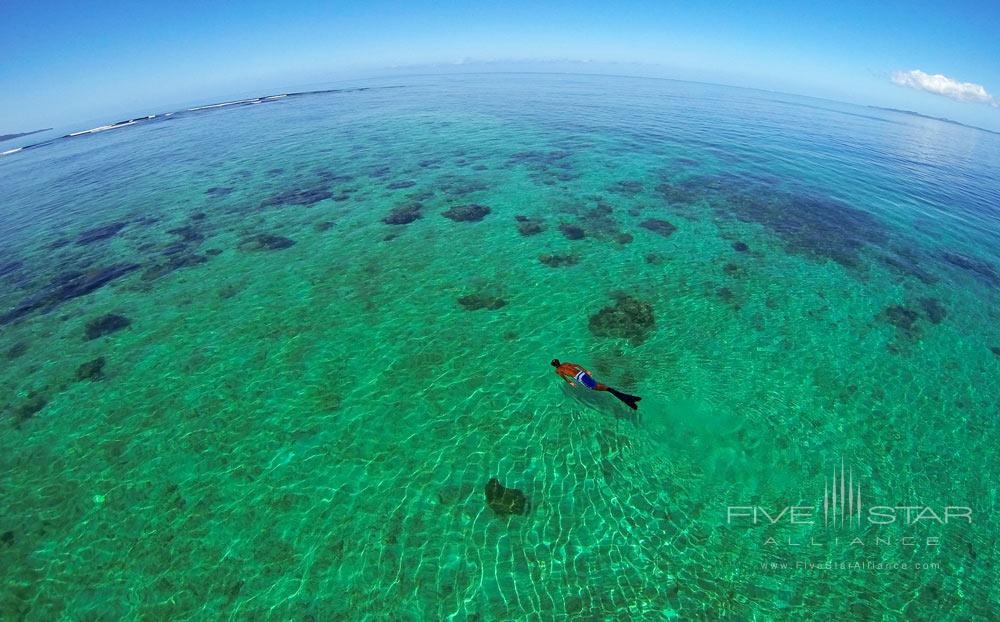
[{"x": 556, "y": 363}]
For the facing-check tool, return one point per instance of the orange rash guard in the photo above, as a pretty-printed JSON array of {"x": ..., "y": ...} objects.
[{"x": 568, "y": 371}]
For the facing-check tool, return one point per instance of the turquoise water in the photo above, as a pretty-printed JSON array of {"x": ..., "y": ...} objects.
[{"x": 252, "y": 370}]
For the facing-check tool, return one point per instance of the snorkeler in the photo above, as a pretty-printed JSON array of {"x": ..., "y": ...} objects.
[{"x": 574, "y": 371}]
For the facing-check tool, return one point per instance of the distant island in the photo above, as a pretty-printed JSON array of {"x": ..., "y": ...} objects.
[
  {"x": 4, "y": 137},
  {"x": 927, "y": 116}
]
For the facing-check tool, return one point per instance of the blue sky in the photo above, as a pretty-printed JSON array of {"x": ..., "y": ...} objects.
[{"x": 70, "y": 62}]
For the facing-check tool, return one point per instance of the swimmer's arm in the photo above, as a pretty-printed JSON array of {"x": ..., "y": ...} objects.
[{"x": 565, "y": 377}]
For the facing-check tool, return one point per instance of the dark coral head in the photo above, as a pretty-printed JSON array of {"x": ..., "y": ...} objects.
[
  {"x": 105, "y": 325},
  {"x": 505, "y": 501},
  {"x": 493, "y": 489}
]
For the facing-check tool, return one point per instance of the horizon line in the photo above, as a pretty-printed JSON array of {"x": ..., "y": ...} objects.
[{"x": 210, "y": 103}]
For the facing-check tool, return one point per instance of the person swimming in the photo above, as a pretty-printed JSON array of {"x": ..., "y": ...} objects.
[{"x": 581, "y": 375}]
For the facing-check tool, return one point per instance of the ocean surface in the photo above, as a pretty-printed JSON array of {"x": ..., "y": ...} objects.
[{"x": 261, "y": 362}]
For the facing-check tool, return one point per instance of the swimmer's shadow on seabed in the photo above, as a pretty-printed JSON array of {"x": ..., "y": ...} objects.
[{"x": 602, "y": 402}]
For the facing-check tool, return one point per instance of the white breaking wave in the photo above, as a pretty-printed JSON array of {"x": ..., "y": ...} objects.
[
  {"x": 112, "y": 126},
  {"x": 102, "y": 128},
  {"x": 238, "y": 102}
]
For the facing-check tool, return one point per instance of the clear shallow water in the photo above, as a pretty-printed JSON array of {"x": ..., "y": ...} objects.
[{"x": 301, "y": 415}]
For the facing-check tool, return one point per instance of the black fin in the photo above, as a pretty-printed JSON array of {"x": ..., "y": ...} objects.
[{"x": 629, "y": 400}]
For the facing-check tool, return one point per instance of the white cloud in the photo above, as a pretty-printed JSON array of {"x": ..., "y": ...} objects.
[{"x": 943, "y": 85}]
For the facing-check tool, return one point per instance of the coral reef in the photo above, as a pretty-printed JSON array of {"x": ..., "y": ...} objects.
[
  {"x": 933, "y": 309},
  {"x": 265, "y": 242},
  {"x": 571, "y": 231},
  {"x": 629, "y": 318},
  {"x": 297, "y": 197},
  {"x": 661, "y": 227},
  {"x": 404, "y": 214},
  {"x": 627, "y": 187},
  {"x": 399, "y": 185},
  {"x": 67, "y": 286},
  {"x": 506, "y": 501},
  {"x": 903, "y": 318},
  {"x": 467, "y": 213},
  {"x": 105, "y": 325},
  {"x": 475, "y": 302},
  {"x": 100, "y": 233},
  {"x": 558, "y": 261},
  {"x": 978, "y": 267},
  {"x": 91, "y": 370},
  {"x": 34, "y": 403},
  {"x": 17, "y": 350},
  {"x": 529, "y": 226}
]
